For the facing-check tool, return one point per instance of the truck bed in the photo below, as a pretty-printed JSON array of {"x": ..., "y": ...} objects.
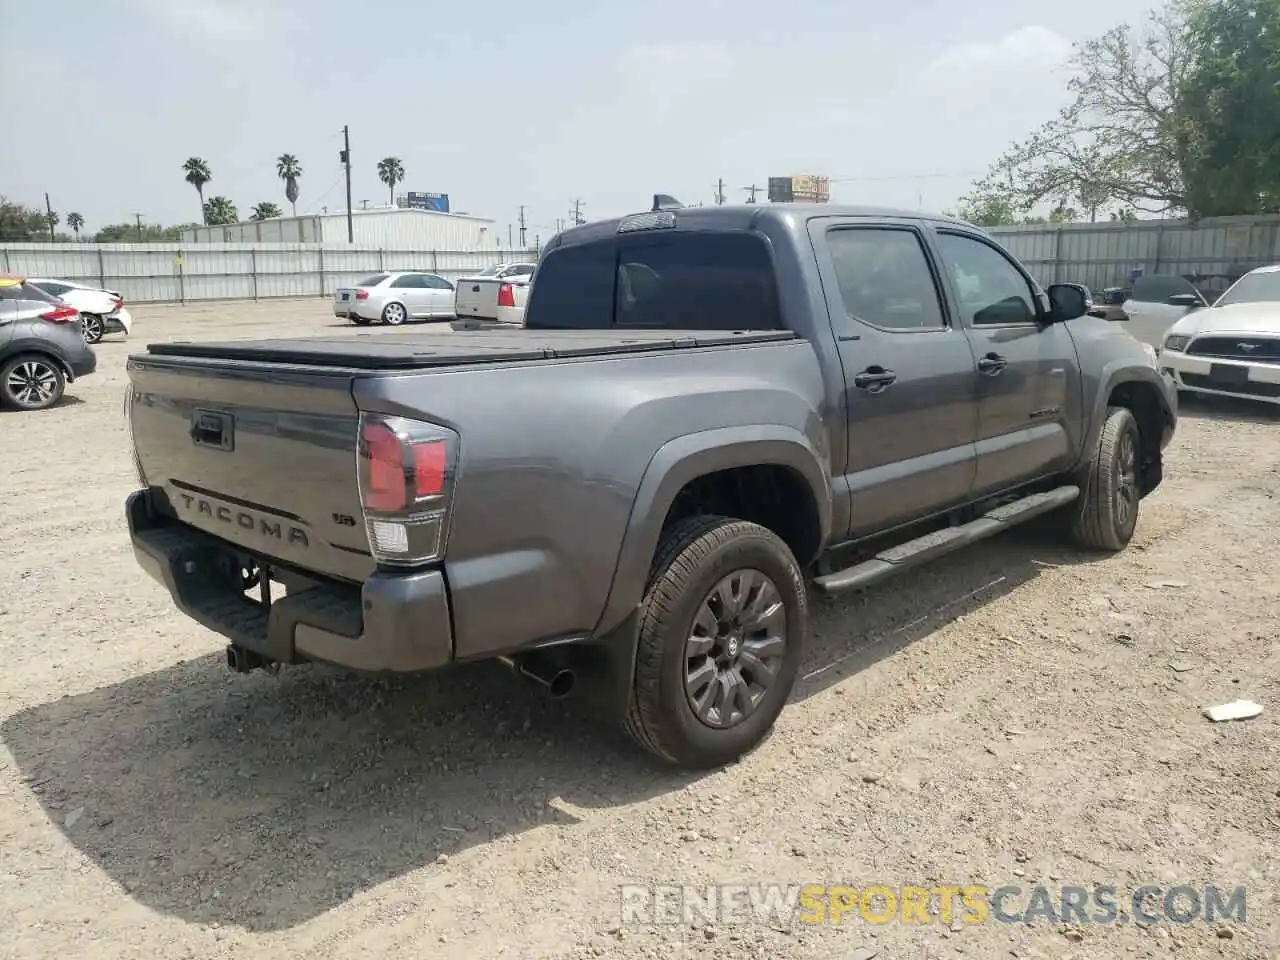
[{"x": 371, "y": 352}]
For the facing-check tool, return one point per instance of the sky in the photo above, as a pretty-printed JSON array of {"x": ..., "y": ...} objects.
[{"x": 536, "y": 103}]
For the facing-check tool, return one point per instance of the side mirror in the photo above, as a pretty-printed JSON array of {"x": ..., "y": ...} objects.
[
  {"x": 1186, "y": 300},
  {"x": 1067, "y": 301}
]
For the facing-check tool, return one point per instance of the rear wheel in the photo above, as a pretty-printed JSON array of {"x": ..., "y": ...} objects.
[
  {"x": 1106, "y": 515},
  {"x": 722, "y": 631},
  {"x": 92, "y": 327},
  {"x": 31, "y": 382},
  {"x": 394, "y": 314}
]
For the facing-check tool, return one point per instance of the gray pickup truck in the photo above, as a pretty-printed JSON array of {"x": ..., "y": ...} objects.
[{"x": 705, "y": 408}]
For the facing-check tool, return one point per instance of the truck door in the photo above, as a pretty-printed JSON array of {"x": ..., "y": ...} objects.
[
  {"x": 908, "y": 371},
  {"x": 1026, "y": 373}
]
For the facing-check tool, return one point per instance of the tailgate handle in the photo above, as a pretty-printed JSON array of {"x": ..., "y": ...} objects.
[{"x": 212, "y": 428}]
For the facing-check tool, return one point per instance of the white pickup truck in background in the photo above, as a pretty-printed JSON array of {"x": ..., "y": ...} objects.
[{"x": 495, "y": 295}]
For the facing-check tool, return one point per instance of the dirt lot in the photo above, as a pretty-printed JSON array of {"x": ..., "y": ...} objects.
[{"x": 1017, "y": 715}]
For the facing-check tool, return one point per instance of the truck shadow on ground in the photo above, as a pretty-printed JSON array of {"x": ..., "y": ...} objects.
[{"x": 262, "y": 801}]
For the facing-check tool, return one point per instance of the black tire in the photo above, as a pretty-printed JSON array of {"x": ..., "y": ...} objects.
[
  {"x": 92, "y": 326},
  {"x": 31, "y": 382},
  {"x": 1106, "y": 515},
  {"x": 694, "y": 557},
  {"x": 394, "y": 314}
]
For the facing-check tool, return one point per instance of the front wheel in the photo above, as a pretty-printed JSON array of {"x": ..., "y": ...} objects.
[
  {"x": 91, "y": 326},
  {"x": 722, "y": 631},
  {"x": 1106, "y": 514},
  {"x": 31, "y": 383}
]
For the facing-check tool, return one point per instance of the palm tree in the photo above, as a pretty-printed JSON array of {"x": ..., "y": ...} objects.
[
  {"x": 75, "y": 222},
  {"x": 198, "y": 174},
  {"x": 391, "y": 172},
  {"x": 265, "y": 211},
  {"x": 289, "y": 170},
  {"x": 219, "y": 211}
]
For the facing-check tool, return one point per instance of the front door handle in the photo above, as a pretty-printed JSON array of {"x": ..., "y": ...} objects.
[
  {"x": 992, "y": 364},
  {"x": 874, "y": 379}
]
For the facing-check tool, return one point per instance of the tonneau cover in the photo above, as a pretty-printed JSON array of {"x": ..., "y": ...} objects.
[{"x": 422, "y": 351}]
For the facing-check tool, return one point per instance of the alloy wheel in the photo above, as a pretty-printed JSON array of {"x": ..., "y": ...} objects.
[
  {"x": 735, "y": 648},
  {"x": 32, "y": 383}
]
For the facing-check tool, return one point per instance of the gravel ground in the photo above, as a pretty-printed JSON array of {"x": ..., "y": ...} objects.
[{"x": 1016, "y": 715}]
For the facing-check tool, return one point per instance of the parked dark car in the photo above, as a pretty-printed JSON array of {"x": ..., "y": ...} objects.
[
  {"x": 704, "y": 408},
  {"x": 42, "y": 348}
]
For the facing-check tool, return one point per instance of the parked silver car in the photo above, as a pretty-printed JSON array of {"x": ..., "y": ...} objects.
[
  {"x": 1155, "y": 304},
  {"x": 395, "y": 297},
  {"x": 41, "y": 346}
]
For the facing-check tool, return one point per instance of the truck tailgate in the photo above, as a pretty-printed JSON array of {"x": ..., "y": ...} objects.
[
  {"x": 477, "y": 297},
  {"x": 262, "y": 458}
]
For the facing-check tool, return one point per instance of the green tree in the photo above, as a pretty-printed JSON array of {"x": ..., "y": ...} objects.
[
  {"x": 1230, "y": 99},
  {"x": 1119, "y": 140},
  {"x": 391, "y": 172},
  {"x": 988, "y": 211},
  {"x": 219, "y": 211},
  {"x": 151, "y": 233},
  {"x": 21, "y": 224},
  {"x": 265, "y": 211},
  {"x": 75, "y": 221},
  {"x": 52, "y": 219},
  {"x": 197, "y": 173},
  {"x": 289, "y": 170}
]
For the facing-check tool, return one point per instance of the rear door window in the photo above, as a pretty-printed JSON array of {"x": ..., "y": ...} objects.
[
  {"x": 372, "y": 281},
  {"x": 676, "y": 281}
]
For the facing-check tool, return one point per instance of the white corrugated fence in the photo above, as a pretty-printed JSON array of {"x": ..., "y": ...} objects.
[{"x": 174, "y": 272}]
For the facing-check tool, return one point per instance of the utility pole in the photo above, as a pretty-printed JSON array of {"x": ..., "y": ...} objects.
[
  {"x": 523, "y": 245},
  {"x": 751, "y": 192},
  {"x": 510, "y": 238},
  {"x": 576, "y": 213},
  {"x": 138, "y": 217},
  {"x": 559, "y": 224},
  {"x": 364, "y": 204},
  {"x": 720, "y": 192},
  {"x": 346, "y": 163},
  {"x": 49, "y": 210}
]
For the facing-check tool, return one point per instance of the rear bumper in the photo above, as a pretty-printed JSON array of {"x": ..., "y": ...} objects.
[
  {"x": 82, "y": 363},
  {"x": 392, "y": 623}
]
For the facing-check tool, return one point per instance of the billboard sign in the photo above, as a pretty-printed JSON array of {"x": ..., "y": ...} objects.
[
  {"x": 801, "y": 188},
  {"x": 427, "y": 201}
]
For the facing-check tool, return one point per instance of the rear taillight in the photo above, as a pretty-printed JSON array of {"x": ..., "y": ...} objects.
[
  {"x": 506, "y": 295},
  {"x": 60, "y": 315},
  {"x": 119, "y": 304},
  {"x": 406, "y": 469},
  {"x": 362, "y": 294}
]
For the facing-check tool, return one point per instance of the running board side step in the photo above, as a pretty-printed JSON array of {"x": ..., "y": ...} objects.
[{"x": 915, "y": 553}]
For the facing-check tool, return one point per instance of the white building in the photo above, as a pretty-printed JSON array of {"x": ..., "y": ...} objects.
[{"x": 391, "y": 228}]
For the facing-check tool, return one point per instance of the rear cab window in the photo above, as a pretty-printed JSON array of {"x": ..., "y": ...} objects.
[{"x": 679, "y": 280}]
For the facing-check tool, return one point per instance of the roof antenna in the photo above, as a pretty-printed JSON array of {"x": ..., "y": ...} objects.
[{"x": 662, "y": 201}]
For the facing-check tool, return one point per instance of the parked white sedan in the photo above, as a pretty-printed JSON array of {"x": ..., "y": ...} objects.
[
  {"x": 101, "y": 311},
  {"x": 1233, "y": 347},
  {"x": 395, "y": 297},
  {"x": 495, "y": 295}
]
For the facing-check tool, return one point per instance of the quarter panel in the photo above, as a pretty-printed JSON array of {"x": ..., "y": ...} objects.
[{"x": 552, "y": 457}]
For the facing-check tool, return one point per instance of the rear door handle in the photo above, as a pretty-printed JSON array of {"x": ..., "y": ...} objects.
[
  {"x": 874, "y": 379},
  {"x": 992, "y": 364}
]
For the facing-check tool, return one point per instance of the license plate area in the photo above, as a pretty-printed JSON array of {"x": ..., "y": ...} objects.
[{"x": 1228, "y": 375}]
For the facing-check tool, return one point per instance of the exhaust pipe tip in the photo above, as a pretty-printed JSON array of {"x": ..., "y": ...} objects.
[
  {"x": 556, "y": 680},
  {"x": 561, "y": 684},
  {"x": 242, "y": 660}
]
